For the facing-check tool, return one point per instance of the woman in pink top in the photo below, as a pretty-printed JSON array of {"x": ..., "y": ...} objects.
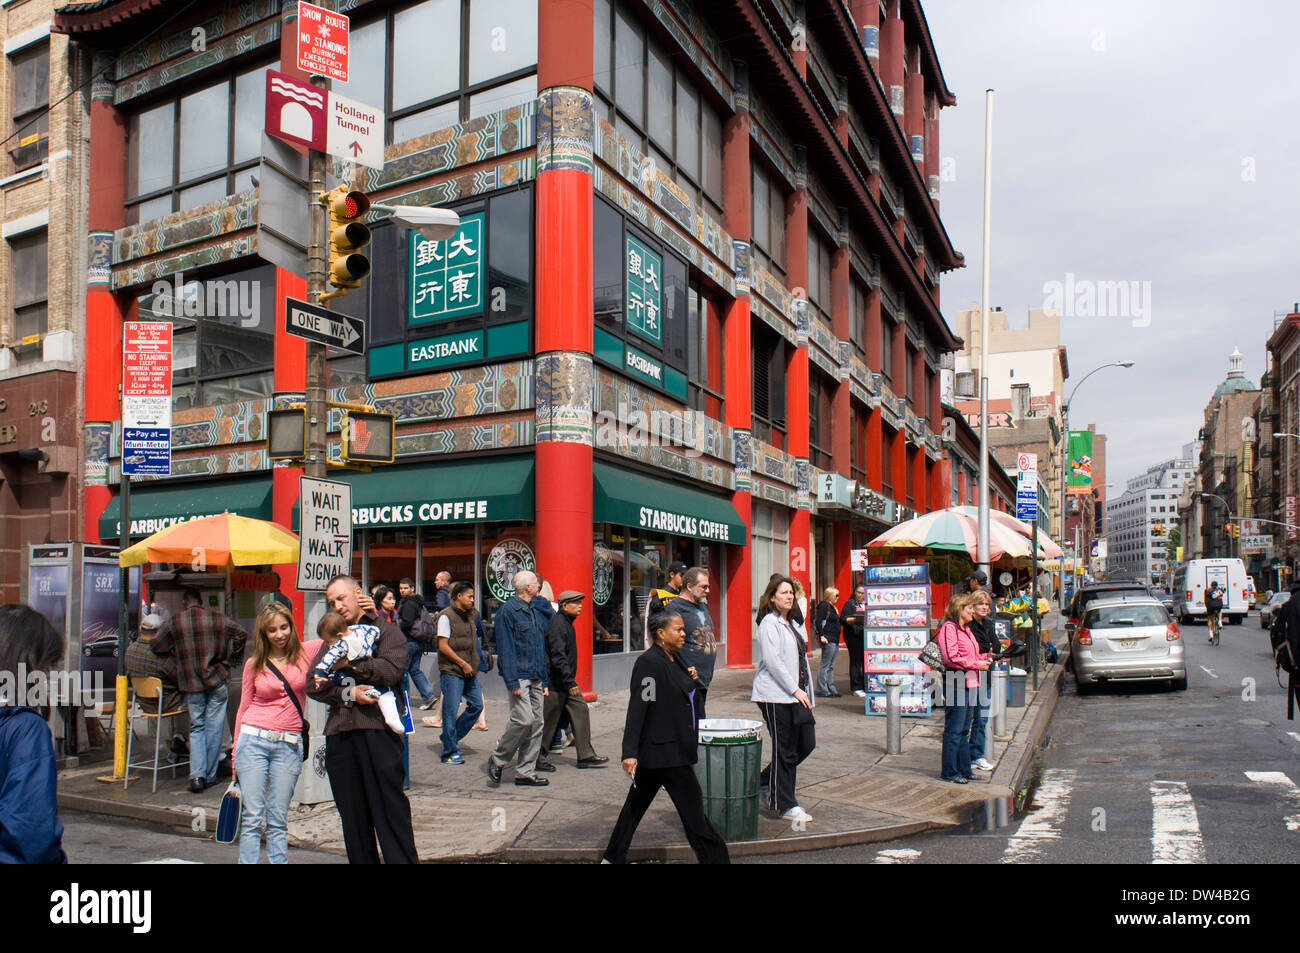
[
  {"x": 268, "y": 733},
  {"x": 961, "y": 653}
]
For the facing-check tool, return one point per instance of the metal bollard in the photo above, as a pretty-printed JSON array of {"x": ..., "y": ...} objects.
[
  {"x": 893, "y": 714},
  {"x": 998, "y": 710}
]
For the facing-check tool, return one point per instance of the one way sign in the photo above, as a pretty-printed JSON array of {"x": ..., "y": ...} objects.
[{"x": 314, "y": 323}]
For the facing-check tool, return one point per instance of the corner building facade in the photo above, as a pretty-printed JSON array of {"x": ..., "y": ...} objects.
[{"x": 691, "y": 311}]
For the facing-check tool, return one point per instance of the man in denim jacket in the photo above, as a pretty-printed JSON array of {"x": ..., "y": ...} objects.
[{"x": 520, "y": 626}]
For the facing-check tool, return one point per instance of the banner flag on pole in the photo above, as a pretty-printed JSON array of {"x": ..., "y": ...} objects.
[{"x": 1079, "y": 479}]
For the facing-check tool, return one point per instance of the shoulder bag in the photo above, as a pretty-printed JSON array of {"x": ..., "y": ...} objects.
[
  {"x": 306, "y": 725},
  {"x": 932, "y": 655}
]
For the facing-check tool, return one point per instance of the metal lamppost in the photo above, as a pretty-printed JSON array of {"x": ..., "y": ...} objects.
[{"x": 1065, "y": 458}]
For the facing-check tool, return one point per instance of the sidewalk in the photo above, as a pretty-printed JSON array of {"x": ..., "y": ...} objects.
[{"x": 855, "y": 792}]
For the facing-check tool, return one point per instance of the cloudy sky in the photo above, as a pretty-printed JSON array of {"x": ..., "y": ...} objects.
[{"x": 1152, "y": 142}]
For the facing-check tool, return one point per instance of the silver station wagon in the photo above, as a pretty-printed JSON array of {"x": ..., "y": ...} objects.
[{"x": 1125, "y": 641}]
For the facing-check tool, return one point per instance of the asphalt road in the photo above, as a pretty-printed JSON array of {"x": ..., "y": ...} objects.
[{"x": 1141, "y": 775}]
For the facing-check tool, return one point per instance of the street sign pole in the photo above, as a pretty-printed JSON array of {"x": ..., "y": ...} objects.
[
  {"x": 315, "y": 465},
  {"x": 1036, "y": 648},
  {"x": 120, "y": 699}
]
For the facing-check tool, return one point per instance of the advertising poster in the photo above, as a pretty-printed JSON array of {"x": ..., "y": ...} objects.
[
  {"x": 897, "y": 628},
  {"x": 47, "y": 593}
]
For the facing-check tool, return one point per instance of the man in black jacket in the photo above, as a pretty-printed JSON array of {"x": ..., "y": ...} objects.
[
  {"x": 852, "y": 617},
  {"x": 659, "y": 746},
  {"x": 565, "y": 695}
]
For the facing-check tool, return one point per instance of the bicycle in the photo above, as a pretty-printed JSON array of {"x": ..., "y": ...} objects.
[{"x": 1215, "y": 621}]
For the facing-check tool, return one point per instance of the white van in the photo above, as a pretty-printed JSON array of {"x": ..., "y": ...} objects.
[{"x": 1193, "y": 578}]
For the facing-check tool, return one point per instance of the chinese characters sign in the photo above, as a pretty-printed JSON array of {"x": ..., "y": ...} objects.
[
  {"x": 644, "y": 291},
  {"x": 447, "y": 276}
]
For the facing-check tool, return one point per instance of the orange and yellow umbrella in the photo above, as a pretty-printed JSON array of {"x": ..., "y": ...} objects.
[{"x": 217, "y": 541}]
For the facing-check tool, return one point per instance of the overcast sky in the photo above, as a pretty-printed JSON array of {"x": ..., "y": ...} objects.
[{"x": 1143, "y": 141}]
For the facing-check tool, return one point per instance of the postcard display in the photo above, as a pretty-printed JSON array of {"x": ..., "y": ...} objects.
[{"x": 896, "y": 628}]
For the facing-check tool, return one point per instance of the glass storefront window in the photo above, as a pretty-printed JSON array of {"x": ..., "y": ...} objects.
[
  {"x": 391, "y": 556},
  {"x": 609, "y": 591},
  {"x": 503, "y": 550},
  {"x": 449, "y": 549}
]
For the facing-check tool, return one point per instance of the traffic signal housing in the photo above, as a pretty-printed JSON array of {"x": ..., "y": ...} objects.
[
  {"x": 347, "y": 236},
  {"x": 368, "y": 437}
]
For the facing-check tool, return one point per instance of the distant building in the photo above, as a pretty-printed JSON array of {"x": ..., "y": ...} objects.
[
  {"x": 1227, "y": 454},
  {"x": 1139, "y": 521}
]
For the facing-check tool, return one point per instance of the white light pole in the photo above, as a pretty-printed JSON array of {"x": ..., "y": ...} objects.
[{"x": 1065, "y": 455}]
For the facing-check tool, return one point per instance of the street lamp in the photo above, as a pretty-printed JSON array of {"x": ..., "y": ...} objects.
[
  {"x": 435, "y": 224},
  {"x": 1065, "y": 454}
]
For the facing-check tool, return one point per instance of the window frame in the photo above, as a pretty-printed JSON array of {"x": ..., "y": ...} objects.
[
  {"x": 38, "y": 114},
  {"x": 28, "y": 352}
]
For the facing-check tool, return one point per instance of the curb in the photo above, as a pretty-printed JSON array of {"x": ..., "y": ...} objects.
[
  {"x": 134, "y": 812},
  {"x": 1049, "y": 694}
]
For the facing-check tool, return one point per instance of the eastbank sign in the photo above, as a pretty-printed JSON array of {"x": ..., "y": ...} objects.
[
  {"x": 401, "y": 514},
  {"x": 683, "y": 525}
]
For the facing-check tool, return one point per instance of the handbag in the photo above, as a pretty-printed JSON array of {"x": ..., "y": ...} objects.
[
  {"x": 306, "y": 725},
  {"x": 229, "y": 815},
  {"x": 933, "y": 657}
]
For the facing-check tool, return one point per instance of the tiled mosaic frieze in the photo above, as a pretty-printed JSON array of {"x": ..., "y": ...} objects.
[
  {"x": 469, "y": 437},
  {"x": 633, "y": 202},
  {"x": 773, "y": 463},
  {"x": 769, "y": 287},
  {"x": 744, "y": 455},
  {"x": 180, "y": 41},
  {"x": 565, "y": 129},
  {"x": 933, "y": 446},
  {"x": 858, "y": 392},
  {"x": 858, "y": 371},
  {"x": 700, "y": 44},
  {"x": 563, "y": 386},
  {"x": 215, "y": 53},
  {"x": 226, "y": 424},
  {"x": 934, "y": 188},
  {"x": 465, "y": 392},
  {"x": 800, "y": 315},
  {"x": 819, "y": 333},
  {"x": 127, "y": 276},
  {"x": 692, "y": 432},
  {"x": 772, "y": 493},
  {"x": 478, "y": 182},
  {"x": 766, "y": 131},
  {"x": 96, "y": 445},
  {"x": 802, "y": 483},
  {"x": 467, "y": 143},
  {"x": 740, "y": 80},
  {"x": 99, "y": 258},
  {"x": 913, "y": 422},
  {"x": 844, "y": 351},
  {"x": 223, "y": 216},
  {"x": 831, "y": 367},
  {"x": 224, "y": 463},
  {"x": 102, "y": 86},
  {"x": 779, "y": 323},
  {"x": 742, "y": 266}
]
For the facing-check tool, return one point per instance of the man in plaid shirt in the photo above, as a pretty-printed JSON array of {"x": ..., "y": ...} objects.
[{"x": 204, "y": 643}]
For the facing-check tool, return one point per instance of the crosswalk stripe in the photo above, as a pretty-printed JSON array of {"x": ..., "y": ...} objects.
[
  {"x": 1044, "y": 824},
  {"x": 1295, "y": 735},
  {"x": 1175, "y": 829},
  {"x": 1285, "y": 786},
  {"x": 900, "y": 855},
  {"x": 169, "y": 860}
]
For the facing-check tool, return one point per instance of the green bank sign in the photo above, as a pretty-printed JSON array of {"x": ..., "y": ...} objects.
[
  {"x": 447, "y": 276},
  {"x": 445, "y": 351}
]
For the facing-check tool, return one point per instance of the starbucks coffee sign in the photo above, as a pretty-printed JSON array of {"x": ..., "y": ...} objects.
[
  {"x": 507, "y": 558},
  {"x": 602, "y": 575}
]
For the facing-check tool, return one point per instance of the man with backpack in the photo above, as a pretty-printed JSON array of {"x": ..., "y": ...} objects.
[
  {"x": 1285, "y": 639},
  {"x": 418, "y": 626}
]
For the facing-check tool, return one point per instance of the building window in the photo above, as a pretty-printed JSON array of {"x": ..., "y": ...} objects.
[
  {"x": 29, "y": 98},
  {"x": 887, "y": 349},
  {"x": 433, "y": 64},
  {"x": 820, "y": 420},
  {"x": 223, "y": 335},
  {"x": 819, "y": 270},
  {"x": 768, "y": 369},
  {"x": 27, "y": 263},
  {"x": 769, "y": 546},
  {"x": 768, "y": 218},
  {"x": 909, "y": 377},
  {"x": 858, "y": 317},
  {"x": 655, "y": 104},
  {"x": 198, "y": 147},
  {"x": 704, "y": 353}
]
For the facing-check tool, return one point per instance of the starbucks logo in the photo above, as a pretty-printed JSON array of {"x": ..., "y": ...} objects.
[
  {"x": 507, "y": 558},
  {"x": 318, "y": 762},
  {"x": 602, "y": 575}
]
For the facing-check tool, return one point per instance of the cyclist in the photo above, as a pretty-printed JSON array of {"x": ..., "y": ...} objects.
[{"x": 1213, "y": 608}]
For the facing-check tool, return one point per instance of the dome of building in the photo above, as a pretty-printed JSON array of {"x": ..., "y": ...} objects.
[{"x": 1236, "y": 381}]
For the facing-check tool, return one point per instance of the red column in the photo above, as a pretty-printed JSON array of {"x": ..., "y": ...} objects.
[
  {"x": 289, "y": 377},
  {"x": 914, "y": 118},
  {"x": 920, "y": 486},
  {"x": 891, "y": 57},
  {"x": 843, "y": 571},
  {"x": 933, "y": 170},
  {"x": 841, "y": 418},
  {"x": 738, "y": 399},
  {"x": 796, "y": 245},
  {"x": 564, "y": 304},
  {"x": 105, "y": 311},
  {"x": 873, "y": 436}
]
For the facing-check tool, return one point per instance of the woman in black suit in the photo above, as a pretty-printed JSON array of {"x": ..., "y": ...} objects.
[{"x": 659, "y": 745}]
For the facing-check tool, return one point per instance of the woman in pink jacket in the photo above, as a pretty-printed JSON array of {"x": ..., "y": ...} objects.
[{"x": 961, "y": 654}]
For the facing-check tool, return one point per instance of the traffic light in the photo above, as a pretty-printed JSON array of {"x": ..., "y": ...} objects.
[
  {"x": 347, "y": 236},
  {"x": 286, "y": 434},
  {"x": 368, "y": 437}
]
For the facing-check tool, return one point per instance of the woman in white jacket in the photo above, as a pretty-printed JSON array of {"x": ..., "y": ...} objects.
[{"x": 782, "y": 689}]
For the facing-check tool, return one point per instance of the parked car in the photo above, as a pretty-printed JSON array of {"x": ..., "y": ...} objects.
[
  {"x": 1101, "y": 590},
  {"x": 1126, "y": 640},
  {"x": 1164, "y": 598},
  {"x": 1266, "y": 614}
]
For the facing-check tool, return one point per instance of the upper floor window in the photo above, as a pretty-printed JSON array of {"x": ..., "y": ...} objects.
[
  {"x": 768, "y": 364},
  {"x": 433, "y": 64},
  {"x": 29, "y": 109},
  {"x": 767, "y": 215},
  {"x": 887, "y": 331},
  {"x": 644, "y": 89},
  {"x": 200, "y": 146},
  {"x": 29, "y": 281},
  {"x": 858, "y": 316},
  {"x": 819, "y": 269},
  {"x": 820, "y": 419},
  {"x": 704, "y": 353}
]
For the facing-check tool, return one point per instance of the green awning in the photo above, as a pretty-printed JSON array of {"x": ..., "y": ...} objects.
[
  {"x": 155, "y": 506},
  {"x": 628, "y": 498},
  {"x": 485, "y": 490}
]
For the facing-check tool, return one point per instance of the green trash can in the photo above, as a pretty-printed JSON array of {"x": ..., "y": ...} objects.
[{"x": 728, "y": 764}]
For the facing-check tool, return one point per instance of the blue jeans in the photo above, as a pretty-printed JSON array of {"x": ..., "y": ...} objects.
[
  {"x": 414, "y": 652},
  {"x": 956, "y": 740},
  {"x": 207, "y": 718},
  {"x": 454, "y": 688},
  {"x": 980, "y": 720},
  {"x": 826, "y": 672},
  {"x": 268, "y": 771}
]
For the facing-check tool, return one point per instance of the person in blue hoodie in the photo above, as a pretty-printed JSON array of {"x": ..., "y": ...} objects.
[{"x": 30, "y": 829}]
